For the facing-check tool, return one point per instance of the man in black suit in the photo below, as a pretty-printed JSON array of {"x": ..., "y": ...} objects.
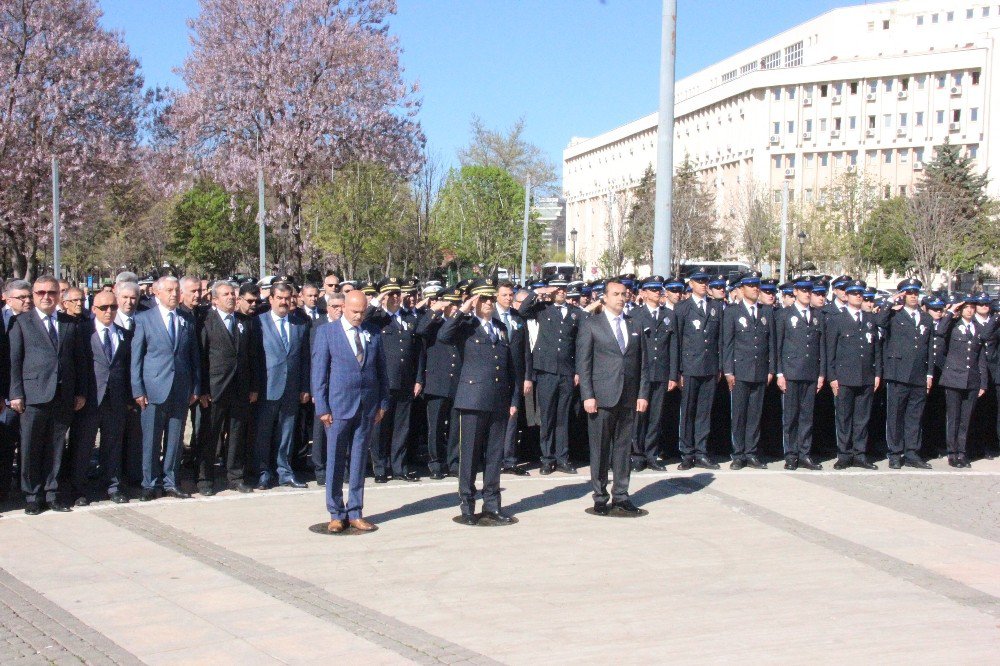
[
  {"x": 657, "y": 327},
  {"x": 405, "y": 363},
  {"x": 444, "y": 363},
  {"x": 517, "y": 331},
  {"x": 614, "y": 385},
  {"x": 800, "y": 362},
  {"x": 47, "y": 384},
  {"x": 109, "y": 394},
  {"x": 748, "y": 364},
  {"x": 908, "y": 360},
  {"x": 551, "y": 367},
  {"x": 17, "y": 300},
  {"x": 854, "y": 370},
  {"x": 228, "y": 356},
  {"x": 487, "y": 396},
  {"x": 698, "y": 321},
  {"x": 128, "y": 295}
]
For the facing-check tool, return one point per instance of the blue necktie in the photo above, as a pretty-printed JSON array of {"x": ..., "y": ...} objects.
[
  {"x": 170, "y": 330},
  {"x": 53, "y": 334},
  {"x": 283, "y": 333},
  {"x": 619, "y": 334},
  {"x": 109, "y": 351}
]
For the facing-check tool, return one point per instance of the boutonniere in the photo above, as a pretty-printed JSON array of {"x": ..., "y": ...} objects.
[
  {"x": 711, "y": 312},
  {"x": 239, "y": 326},
  {"x": 793, "y": 321},
  {"x": 869, "y": 337},
  {"x": 366, "y": 335},
  {"x": 697, "y": 324},
  {"x": 763, "y": 320},
  {"x": 182, "y": 322},
  {"x": 922, "y": 329},
  {"x": 869, "y": 324},
  {"x": 573, "y": 316},
  {"x": 743, "y": 322}
]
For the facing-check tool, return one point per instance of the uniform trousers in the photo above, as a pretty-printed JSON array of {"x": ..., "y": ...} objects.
[
  {"x": 959, "y": 404},
  {"x": 442, "y": 435},
  {"x": 648, "y": 438},
  {"x": 854, "y": 408},
  {"x": 797, "y": 405},
  {"x": 746, "y": 407},
  {"x": 554, "y": 393},
  {"x": 611, "y": 432},
  {"x": 481, "y": 441},
  {"x": 697, "y": 397},
  {"x": 391, "y": 434},
  {"x": 904, "y": 410},
  {"x": 10, "y": 434}
]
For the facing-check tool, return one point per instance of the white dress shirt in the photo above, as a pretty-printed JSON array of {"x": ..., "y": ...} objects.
[
  {"x": 166, "y": 322},
  {"x": 614, "y": 330},
  {"x": 100, "y": 328},
  {"x": 349, "y": 330}
]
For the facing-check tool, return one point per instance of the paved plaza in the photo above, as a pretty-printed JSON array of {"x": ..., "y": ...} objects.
[{"x": 768, "y": 566}]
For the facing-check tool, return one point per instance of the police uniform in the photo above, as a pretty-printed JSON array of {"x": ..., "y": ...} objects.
[
  {"x": 854, "y": 361},
  {"x": 487, "y": 390},
  {"x": 964, "y": 375},
  {"x": 552, "y": 369},
  {"x": 747, "y": 339},
  {"x": 517, "y": 332},
  {"x": 908, "y": 364}
]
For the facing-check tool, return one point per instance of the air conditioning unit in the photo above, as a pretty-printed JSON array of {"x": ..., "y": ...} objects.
[
  {"x": 918, "y": 166},
  {"x": 901, "y": 131},
  {"x": 775, "y": 138},
  {"x": 806, "y": 136},
  {"x": 956, "y": 91},
  {"x": 852, "y": 168},
  {"x": 954, "y": 127},
  {"x": 835, "y": 99},
  {"x": 834, "y": 134},
  {"x": 869, "y": 133},
  {"x": 901, "y": 94},
  {"x": 871, "y": 97},
  {"x": 789, "y": 173},
  {"x": 807, "y": 101}
]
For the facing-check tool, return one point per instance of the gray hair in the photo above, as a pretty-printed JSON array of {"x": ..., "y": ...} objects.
[
  {"x": 14, "y": 285},
  {"x": 126, "y": 276},
  {"x": 188, "y": 279},
  {"x": 336, "y": 297},
  {"x": 127, "y": 286},
  {"x": 223, "y": 283},
  {"x": 160, "y": 282}
]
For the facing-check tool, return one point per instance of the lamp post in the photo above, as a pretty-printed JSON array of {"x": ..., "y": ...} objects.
[
  {"x": 572, "y": 235},
  {"x": 802, "y": 241}
]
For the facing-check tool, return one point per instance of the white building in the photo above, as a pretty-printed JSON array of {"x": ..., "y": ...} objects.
[
  {"x": 550, "y": 212},
  {"x": 870, "y": 88}
]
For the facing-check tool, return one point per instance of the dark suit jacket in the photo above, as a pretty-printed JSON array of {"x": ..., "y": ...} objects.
[
  {"x": 555, "y": 346},
  {"x": 227, "y": 361},
  {"x": 404, "y": 352},
  {"x": 487, "y": 382},
  {"x": 907, "y": 349},
  {"x": 853, "y": 350},
  {"x": 799, "y": 352},
  {"x": 108, "y": 380},
  {"x": 444, "y": 363},
  {"x": 606, "y": 374},
  {"x": 37, "y": 368},
  {"x": 661, "y": 342},
  {"x": 699, "y": 337},
  {"x": 965, "y": 364},
  {"x": 747, "y": 343}
]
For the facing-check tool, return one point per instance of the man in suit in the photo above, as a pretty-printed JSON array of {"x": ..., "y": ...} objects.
[
  {"x": 166, "y": 381},
  {"x": 283, "y": 377},
  {"x": 487, "y": 396},
  {"x": 748, "y": 365},
  {"x": 331, "y": 286},
  {"x": 128, "y": 296},
  {"x": 405, "y": 363},
  {"x": 109, "y": 394},
  {"x": 228, "y": 357},
  {"x": 333, "y": 311},
  {"x": 48, "y": 382},
  {"x": 614, "y": 385},
  {"x": 854, "y": 370},
  {"x": 657, "y": 327},
  {"x": 442, "y": 370},
  {"x": 698, "y": 322},
  {"x": 17, "y": 300},
  {"x": 551, "y": 367},
  {"x": 908, "y": 361},
  {"x": 517, "y": 331},
  {"x": 351, "y": 388},
  {"x": 313, "y": 313}
]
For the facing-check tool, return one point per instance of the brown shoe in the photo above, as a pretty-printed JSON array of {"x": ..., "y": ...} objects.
[
  {"x": 336, "y": 526},
  {"x": 361, "y": 524}
]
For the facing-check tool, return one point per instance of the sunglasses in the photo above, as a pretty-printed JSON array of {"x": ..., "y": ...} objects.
[
  {"x": 700, "y": 281},
  {"x": 26, "y": 297},
  {"x": 105, "y": 308},
  {"x": 50, "y": 294}
]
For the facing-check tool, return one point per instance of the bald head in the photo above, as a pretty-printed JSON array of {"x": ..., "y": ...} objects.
[
  {"x": 355, "y": 304},
  {"x": 105, "y": 307}
]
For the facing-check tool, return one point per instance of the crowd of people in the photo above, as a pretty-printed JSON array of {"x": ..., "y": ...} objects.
[{"x": 247, "y": 385}]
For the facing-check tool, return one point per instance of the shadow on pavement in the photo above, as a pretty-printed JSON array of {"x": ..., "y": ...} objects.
[
  {"x": 548, "y": 497},
  {"x": 425, "y": 505},
  {"x": 667, "y": 488}
]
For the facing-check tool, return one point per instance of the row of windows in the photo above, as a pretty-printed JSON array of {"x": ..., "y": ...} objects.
[
  {"x": 850, "y": 158},
  {"x": 984, "y": 12},
  {"x": 939, "y": 80},
  {"x": 901, "y": 120}
]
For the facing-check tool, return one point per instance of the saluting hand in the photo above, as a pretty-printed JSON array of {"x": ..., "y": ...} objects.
[{"x": 469, "y": 304}]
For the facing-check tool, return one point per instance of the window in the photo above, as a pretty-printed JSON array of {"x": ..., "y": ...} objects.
[
  {"x": 776, "y": 94},
  {"x": 957, "y": 78},
  {"x": 885, "y": 25},
  {"x": 777, "y": 128},
  {"x": 749, "y": 67},
  {"x": 902, "y": 120},
  {"x": 791, "y": 127},
  {"x": 887, "y": 120},
  {"x": 854, "y": 87},
  {"x": 950, "y": 16},
  {"x": 852, "y": 122},
  {"x": 809, "y": 125},
  {"x": 904, "y": 156},
  {"x": 873, "y": 86},
  {"x": 838, "y": 158},
  {"x": 776, "y": 198},
  {"x": 968, "y": 13},
  {"x": 956, "y": 115},
  {"x": 974, "y": 151},
  {"x": 904, "y": 83},
  {"x": 918, "y": 154},
  {"x": 790, "y": 161},
  {"x": 986, "y": 12},
  {"x": 838, "y": 88},
  {"x": 920, "y": 20},
  {"x": 836, "y": 123},
  {"x": 824, "y": 90},
  {"x": 974, "y": 114},
  {"x": 808, "y": 159},
  {"x": 771, "y": 61},
  {"x": 791, "y": 93},
  {"x": 822, "y": 124},
  {"x": 824, "y": 159},
  {"x": 975, "y": 77},
  {"x": 729, "y": 76},
  {"x": 808, "y": 195},
  {"x": 919, "y": 121},
  {"x": 793, "y": 55},
  {"x": 902, "y": 188},
  {"x": 887, "y": 192},
  {"x": 934, "y": 18},
  {"x": 888, "y": 85},
  {"x": 942, "y": 80},
  {"x": 854, "y": 157},
  {"x": 871, "y": 156},
  {"x": 940, "y": 117},
  {"x": 921, "y": 82},
  {"x": 887, "y": 156},
  {"x": 871, "y": 122},
  {"x": 777, "y": 161}
]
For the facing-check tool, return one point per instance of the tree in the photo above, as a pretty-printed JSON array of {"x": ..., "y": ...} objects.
[
  {"x": 300, "y": 88},
  {"x": 510, "y": 152},
  {"x": 213, "y": 231},
  {"x": 638, "y": 243},
  {"x": 695, "y": 231},
  {"x": 616, "y": 226},
  {"x": 72, "y": 91},
  {"x": 757, "y": 228},
  {"x": 883, "y": 237}
]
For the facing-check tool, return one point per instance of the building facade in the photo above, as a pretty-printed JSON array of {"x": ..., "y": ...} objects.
[
  {"x": 550, "y": 212},
  {"x": 868, "y": 89}
]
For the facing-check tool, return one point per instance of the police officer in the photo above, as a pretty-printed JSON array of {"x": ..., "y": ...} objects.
[
  {"x": 405, "y": 365},
  {"x": 517, "y": 334},
  {"x": 487, "y": 396},
  {"x": 769, "y": 292},
  {"x": 854, "y": 370},
  {"x": 801, "y": 367},
  {"x": 787, "y": 290},
  {"x": 908, "y": 362},
  {"x": 552, "y": 368},
  {"x": 839, "y": 300},
  {"x": 747, "y": 362},
  {"x": 698, "y": 322},
  {"x": 656, "y": 324},
  {"x": 965, "y": 375}
]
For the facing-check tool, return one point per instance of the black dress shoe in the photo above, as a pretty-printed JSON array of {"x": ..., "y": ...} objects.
[
  {"x": 809, "y": 463},
  {"x": 625, "y": 506},
  {"x": 59, "y": 506},
  {"x": 469, "y": 519},
  {"x": 753, "y": 461},
  {"x": 320, "y": 480},
  {"x": 953, "y": 461},
  {"x": 32, "y": 508},
  {"x": 791, "y": 464},
  {"x": 240, "y": 487},
  {"x": 81, "y": 501},
  {"x": 916, "y": 462},
  {"x": 638, "y": 465},
  {"x": 176, "y": 493},
  {"x": 547, "y": 468},
  {"x": 498, "y": 517},
  {"x": 565, "y": 468},
  {"x": 410, "y": 476},
  {"x": 147, "y": 495},
  {"x": 656, "y": 466},
  {"x": 292, "y": 483},
  {"x": 963, "y": 461},
  {"x": 437, "y": 476},
  {"x": 841, "y": 464},
  {"x": 737, "y": 464},
  {"x": 119, "y": 498},
  {"x": 703, "y": 462},
  {"x": 685, "y": 465},
  {"x": 895, "y": 463},
  {"x": 862, "y": 462},
  {"x": 601, "y": 508},
  {"x": 207, "y": 492},
  {"x": 453, "y": 473},
  {"x": 381, "y": 478},
  {"x": 516, "y": 471},
  {"x": 262, "y": 486}
]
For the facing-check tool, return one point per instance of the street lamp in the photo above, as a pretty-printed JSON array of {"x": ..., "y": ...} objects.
[
  {"x": 802, "y": 241},
  {"x": 572, "y": 235}
]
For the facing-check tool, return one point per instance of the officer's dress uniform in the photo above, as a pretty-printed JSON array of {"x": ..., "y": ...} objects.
[
  {"x": 853, "y": 361},
  {"x": 747, "y": 339},
  {"x": 699, "y": 338},
  {"x": 657, "y": 327},
  {"x": 965, "y": 373},
  {"x": 800, "y": 359},
  {"x": 444, "y": 365}
]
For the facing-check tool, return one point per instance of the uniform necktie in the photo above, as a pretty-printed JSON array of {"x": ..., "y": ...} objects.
[
  {"x": 506, "y": 320},
  {"x": 360, "y": 352},
  {"x": 562, "y": 311},
  {"x": 170, "y": 329},
  {"x": 106, "y": 343},
  {"x": 857, "y": 317},
  {"x": 619, "y": 334},
  {"x": 701, "y": 306},
  {"x": 916, "y": 319},
  {"x": 283, "y": 333},
  {"x": 53, "y": 333}
]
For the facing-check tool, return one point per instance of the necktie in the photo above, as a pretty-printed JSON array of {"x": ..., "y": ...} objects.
[
  {"x": 701, "y": 306},
  {"x": 170, "y": 330},
  {"x": 857, "y": 317},
  {"x": 360, "y": 351},
  {"x": 229, "y": 323},
  {"x": 506, "y": 320},
  {"x": 562, "y": 311},
  {"x": 619, "y": 334},
  {"x": 53, "y": 333},
  {"x": 106, "y": 343},
  {"x": 283, "y": 333},
  {"x": 916, "y": 319}
]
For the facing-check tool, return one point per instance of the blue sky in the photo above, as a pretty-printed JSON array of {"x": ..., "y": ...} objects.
[{"x": 569, "y": 67}]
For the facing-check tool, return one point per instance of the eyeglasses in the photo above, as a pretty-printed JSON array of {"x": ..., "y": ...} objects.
[
  {"x": 72, "y": 300},
  {"x": 50, "y": 294},
  {"x": 26, "y": 297},
  {"x": 330, "y": 284},
  {"x": 105, "y": 308}
]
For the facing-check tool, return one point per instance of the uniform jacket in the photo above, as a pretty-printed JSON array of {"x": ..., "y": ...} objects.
[
  {"x": 444, "y": 363},
  {"x": 606, "y": 374},
  {"x": 748, "y": 342},
  {"x": 661, "y": 342},
  {"x": 853, "y": 349},
  {"x": 487, "y": 382},
  {"x": 799, "y": 352},
  {"x": 404, "y": 351},
  {"x": 965, "y": 365},
  {"x": 699, "y": 337},
  {"x": 555, "y": 346},
  {"x": 518, "y": 334},
  {"x": 907, "y": 347}
]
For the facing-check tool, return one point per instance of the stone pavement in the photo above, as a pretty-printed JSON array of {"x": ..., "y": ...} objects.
[{"x": 769, "y": 566}]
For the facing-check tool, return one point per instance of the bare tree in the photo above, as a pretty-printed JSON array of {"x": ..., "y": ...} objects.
[
  {"x": 612, "y": 260},
  {"x": 695, "y": 231},
  {"x": 756, "y": 224},
  {"x": 511, "y": 152},
  {"x": 941, "y": 237}
]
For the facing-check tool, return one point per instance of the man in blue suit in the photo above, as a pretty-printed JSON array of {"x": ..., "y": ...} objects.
[
  {"x": 351, "y": 389},
  {"x": 283, "y": 375},
  {"x": 166, "y": 380}
]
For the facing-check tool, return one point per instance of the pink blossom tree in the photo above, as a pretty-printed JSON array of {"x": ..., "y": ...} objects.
[
  {"x": 300, "y": 88},
  {"x": 69, "y": 89}
]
